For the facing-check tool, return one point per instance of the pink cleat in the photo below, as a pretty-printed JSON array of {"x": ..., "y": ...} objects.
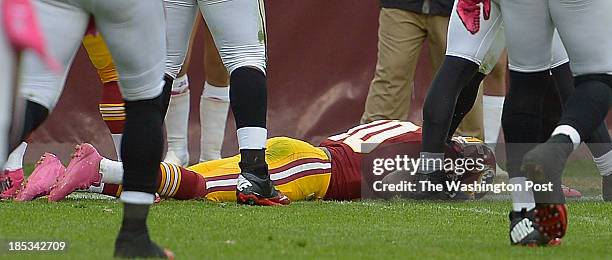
[
  {"x": 45, "y": 175},
  {"x": 10, "y": 182},
  {"x": 82, "y": 172},
  {"x": 570, "y": 192}
]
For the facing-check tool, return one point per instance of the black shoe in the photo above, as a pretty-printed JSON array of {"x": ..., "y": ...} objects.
[
  {"x": 253, "y": 190},
  {"x": 434, "y": 178},
  {"x": 545, "y": 163},
  {"x": 547, "y": 158},
  {"x": 525, "y": 231},
  {"x": 139, "y": 246},
  {"x": 606, "y": 188}
]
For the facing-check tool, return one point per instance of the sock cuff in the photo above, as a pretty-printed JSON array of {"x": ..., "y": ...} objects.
[
  {"x": 112, "y": 171},
  {"x": 252, "y": 137},
  {"x": 15, "y": 160},
  {"x": 137, "y": 197},
  {"x": 493, "y": 100},
  {"x": 521, "y": 197},
  {"x": 604, "y": 164},
  {"x": 570, "y": 132},
  {"x": 217, "y": 93},
  {"x": 180, "y": 84}
]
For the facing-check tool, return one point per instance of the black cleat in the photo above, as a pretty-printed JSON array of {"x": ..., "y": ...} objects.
[
  {"x": 139, "y": 246},
  {"x": 548, "y": 158},
  {"x": 252, "y": 190},
  {"x": 434, "y": 178},
  {"x": 525, "y": 231}
]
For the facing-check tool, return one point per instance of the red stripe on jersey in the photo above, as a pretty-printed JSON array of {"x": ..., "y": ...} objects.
[
  {"x": 272, "y": 171},
  {"x": 356, "y": 129},
  {"x": 366, "y": 137},
  {"x": 296, "y": 163},
  {"x": 366, "y": 126}
]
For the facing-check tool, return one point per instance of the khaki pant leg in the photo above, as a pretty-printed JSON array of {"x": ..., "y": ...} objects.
[
  {"x": 437, "y": 29},
  {"x": 400, "y": 37},
  {"x": 472, "y": 124}
]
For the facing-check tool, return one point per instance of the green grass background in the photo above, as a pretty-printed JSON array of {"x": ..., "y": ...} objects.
[{"x": 314, "y": 230}]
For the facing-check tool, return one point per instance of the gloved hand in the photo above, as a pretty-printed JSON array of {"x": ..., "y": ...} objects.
[{"x": 469, "y": 13}]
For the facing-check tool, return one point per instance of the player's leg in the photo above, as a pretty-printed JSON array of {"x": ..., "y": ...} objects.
[
  {"x": 561, "y": 86},
  {"x": 599, "y": 141},
  {"x": 464, "y": 54},
  {"x": 111, "y": 104},
  {"x": 214, "y": 102},
  {"x": 125, "y": 25},
  {"x": 8, "y": 66},
  {"x": 493, "y": 100},
  {"x": 174, "y": 182},
  {"x": 112, "y": 114},
  {"x": 467, "y": 99},
  {"x": 39, "y": 85},
  {"x": 238, "y": 29},
  {"x": 298, "y": 169},
  {"x": 589, "y": 104},
  {"x": 180, "y": 33},
  {"x": 90, "y": 171},
  {"x": 529, "y": 62},
  {"x": 400, "y": 37}
]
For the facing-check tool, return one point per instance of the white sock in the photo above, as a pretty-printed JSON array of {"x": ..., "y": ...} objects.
[
  {"x": 571, "y": 132},
  {"x": 96, "y": 189},
  {"x": 492, "y": 109},
  {"x": 137, "y": 197},
  {"x": 177, "y": 121},
  {"x": 117, "y": 142},
  {"x": 252, "y": 137},
  {"x": 112, "y": 171},
  {"x": 521, "y": 198},
  {"x": 15, "y": 159},
  {"x": 180, "y": 84},
  {"x": 604, "y": 164},
  {"x": 214, "y": 106}
]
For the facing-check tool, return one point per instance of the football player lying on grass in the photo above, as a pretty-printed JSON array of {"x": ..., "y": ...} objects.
[{"x": 299, "y": 170}]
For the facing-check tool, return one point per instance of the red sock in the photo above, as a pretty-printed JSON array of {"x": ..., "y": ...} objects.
[
  {"x": 112, "y": 108},
  {"x": 179, "y": 183},
  {"x": 112, "y": 189},
  {"x": 172, "y": 182}
]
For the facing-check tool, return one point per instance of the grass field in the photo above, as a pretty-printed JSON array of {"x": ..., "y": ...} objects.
[{"x": 313, "y": 230}]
